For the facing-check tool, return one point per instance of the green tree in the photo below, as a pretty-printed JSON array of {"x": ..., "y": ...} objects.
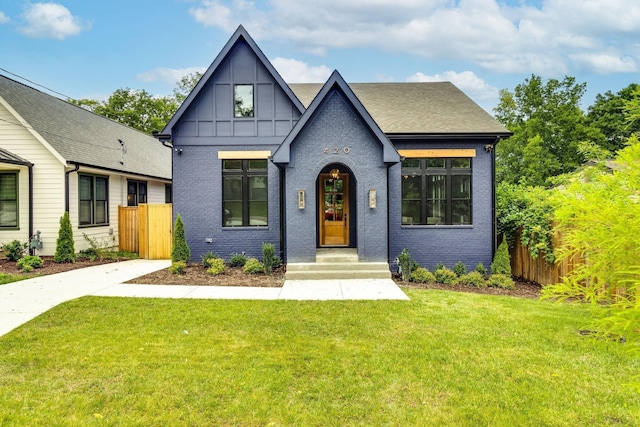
[
  {"x": 180, "y": 250},
  {"x": 65, "y": 250},
  {"x": 548, "y": 127},
  {"x": 135, "y": 108},
  {"x": 185, "y": 86},
  {"x": 502, "y": 260},
  {"x": 608, "y": 114}
]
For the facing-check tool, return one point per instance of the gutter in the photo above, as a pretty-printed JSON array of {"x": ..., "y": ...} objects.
[{"x": 66, "y": 186}]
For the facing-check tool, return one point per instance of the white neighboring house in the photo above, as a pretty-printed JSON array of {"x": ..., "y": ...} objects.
[{"x": 57, "y": 157}]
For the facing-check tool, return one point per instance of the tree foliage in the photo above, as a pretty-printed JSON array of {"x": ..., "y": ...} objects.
[
  {"x": 135, "y": 108},
  {"x": 185, "y": 86},
  {"x": 610, "y": 115},
  {"x": 548, "y": 126}
]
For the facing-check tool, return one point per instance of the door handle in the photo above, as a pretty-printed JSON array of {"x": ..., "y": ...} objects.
[{"x": 344, "y": 219}]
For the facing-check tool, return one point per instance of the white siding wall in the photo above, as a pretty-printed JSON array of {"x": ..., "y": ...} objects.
[{"x": 48, "y": 183}]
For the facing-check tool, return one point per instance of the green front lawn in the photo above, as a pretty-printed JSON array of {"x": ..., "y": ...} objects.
[{"x": 442, "y": 358}]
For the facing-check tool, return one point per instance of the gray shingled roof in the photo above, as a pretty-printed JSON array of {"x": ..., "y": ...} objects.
[
  {"x": 81, "y": 136},
  {"x": 415, "y": 108}
]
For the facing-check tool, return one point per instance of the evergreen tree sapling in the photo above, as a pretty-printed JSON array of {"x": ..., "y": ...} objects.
[
  {"x": 180, "y": 250},
  {"x": 65, "y": 250},
  {"x": 502, "y": 261}
]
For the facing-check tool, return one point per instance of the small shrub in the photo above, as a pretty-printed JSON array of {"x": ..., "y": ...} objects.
[
  {"x": 29, "y": 262},
  {"x": 65, "y": 247},
  {"x": 439, "y": 266},
  {"x": 404, "y": 265},
  {"x": 14, "y": 250},
  {"x": 237, "y": 260},
  {"x": 460, "y": 269},
  {"x": 480, "y": 268},
  {"x": 216, "y": 266},
  {"x": 502, "y": 281},
  {"x": 501, "y": 261},
  {"x": 473, "y": 279},
  {"x": 180, "y": 250},
  {"x": 445, "y": 276},
  {"x": 208, "y": 257},
  {"x": 253, "y": 266},
  {"x": 178, "y": 267},
  {"x": 422, "y": 275},
  {"x": 268, "y": 257}
]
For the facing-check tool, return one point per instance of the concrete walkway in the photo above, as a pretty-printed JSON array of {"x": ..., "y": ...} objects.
[{"x": 24, "y": 300}]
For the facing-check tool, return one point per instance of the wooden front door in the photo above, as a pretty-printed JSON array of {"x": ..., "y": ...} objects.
[{"x": 334, "y": 210}]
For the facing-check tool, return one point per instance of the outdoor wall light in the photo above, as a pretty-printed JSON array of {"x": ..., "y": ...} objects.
[
  {"x": 372, "y": 198},
  {"x": 300, "y": 199},
  {"x": 335, "y": 173},
  {"x": 178, "y": 150}
]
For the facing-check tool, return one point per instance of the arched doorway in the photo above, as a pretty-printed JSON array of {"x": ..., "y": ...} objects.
[{"x": 336, "y": 210}]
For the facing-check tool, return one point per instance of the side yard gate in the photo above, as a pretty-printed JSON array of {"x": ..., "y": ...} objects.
[{"x": 146, "y": 229}]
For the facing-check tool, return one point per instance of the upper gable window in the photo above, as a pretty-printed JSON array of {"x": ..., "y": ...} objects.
[{"x": 243, "y": 100}]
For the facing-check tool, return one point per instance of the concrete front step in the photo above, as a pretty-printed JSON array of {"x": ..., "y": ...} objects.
[{"x": 337, "y": 270}]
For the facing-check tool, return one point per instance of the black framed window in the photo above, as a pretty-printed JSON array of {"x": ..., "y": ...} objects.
[
  {"x": 9, "y": 200},
  {"x": 93, "y": 207},
  {"x": 168, "y": 193},
  {"x": 244, "y": 193},
  {"x": 136, "y": 192},
  {"x": 243, "y": 100},
  {"x": 436, "y": 191}
]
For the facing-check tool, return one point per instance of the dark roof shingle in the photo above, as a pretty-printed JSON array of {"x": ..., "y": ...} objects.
[{"x": 81, "y": 136}]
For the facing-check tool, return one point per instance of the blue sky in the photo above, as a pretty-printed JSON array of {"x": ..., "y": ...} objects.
[{"x": 88, "y": 49}]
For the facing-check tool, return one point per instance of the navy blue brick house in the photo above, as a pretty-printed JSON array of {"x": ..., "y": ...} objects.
[{"x": 376, "y": 167}]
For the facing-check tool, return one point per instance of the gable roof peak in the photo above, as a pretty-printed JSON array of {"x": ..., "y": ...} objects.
[{"x": 240, "y": 34}]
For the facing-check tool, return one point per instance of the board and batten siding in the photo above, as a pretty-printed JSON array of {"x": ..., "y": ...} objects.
[{"x": 48, "y": 182}]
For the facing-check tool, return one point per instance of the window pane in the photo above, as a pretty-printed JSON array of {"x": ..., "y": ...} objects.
[
  {"x": 84, "y": 212},
  {"x": 258, "y": 188},
  {"x": 243, "y": 100},
  {"x": 101, "y": 213},
  {"x": 232, "y": 213},
  {"x": 8, "y": 187},
  {"x": 461, "y": 186},
  {"x": 411, "y": 212},
  {"x": 461, "y": 162},
  {"x": 232, "y": 165},
  {"x": 232, "y": 188},
  {"x": 411, "y": 163},
  {"x": 258, "y": 213},
  {"x": 85, "y": 185},
  {"x": 101, "y": 189},
  {"x": 257, "y": 165},
  {"x": 436, "y": 212},
  {"x": 142, "y": 188},
  {"x": 461, "y": 212},
  {"x": 436, "y": 187},
  {"x": 436, "y": 163},
  {"x": 411, "y": 188},
  {"x": 8, "y": 214}
]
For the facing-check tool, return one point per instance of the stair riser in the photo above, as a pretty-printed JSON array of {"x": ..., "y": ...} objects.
[
  {"x": 336, "y": 275},
  {"x": 338, "y": 266}
]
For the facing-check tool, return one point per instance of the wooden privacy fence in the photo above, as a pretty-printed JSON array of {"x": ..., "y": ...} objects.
[
  {"x": 538, "y": 269},
  {"x": 146, "y": 230}
]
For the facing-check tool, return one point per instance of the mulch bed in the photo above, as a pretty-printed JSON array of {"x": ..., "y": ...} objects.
[{"x": 196, "y": 274}]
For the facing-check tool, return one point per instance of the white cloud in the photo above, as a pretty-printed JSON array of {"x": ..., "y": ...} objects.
[
  {"x": 294, "y": 71},
  {"x": 168, "y": 75},
  {"x": 51, "y": 20},
  {"x": 3, "y": 18},
  {"x": 467, "y": 81},
  {"x": 551, "y": 37}
]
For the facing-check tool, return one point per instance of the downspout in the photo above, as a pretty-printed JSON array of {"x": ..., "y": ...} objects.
[
  {"x": 30, "y": 173},
  {"x": 494, "y": 220},
  {"x": 66, "y": 186}
]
